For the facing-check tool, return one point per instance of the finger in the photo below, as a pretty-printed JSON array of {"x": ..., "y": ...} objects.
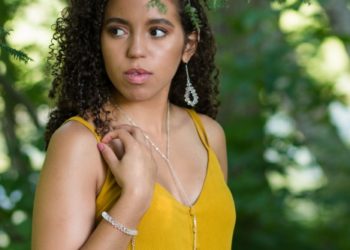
[
  {"x": 139, "y": 135},
  {"x": 123, "y": 135},
  {"x": 108, "y": 155},
  {"x": 136, "y": 132},
  {"x": 118, "y": 147},
  {"x": 125, "y": 126},
  {"x": 115, "y": 133}
]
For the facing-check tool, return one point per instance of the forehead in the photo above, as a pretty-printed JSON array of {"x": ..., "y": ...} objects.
[{"x": 141, "y": 9}]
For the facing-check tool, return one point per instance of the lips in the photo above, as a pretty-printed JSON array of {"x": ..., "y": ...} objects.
[{"x": 137, "y": 76}]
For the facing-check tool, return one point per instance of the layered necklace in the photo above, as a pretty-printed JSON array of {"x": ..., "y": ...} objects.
[{"x": 166, "y": 158}]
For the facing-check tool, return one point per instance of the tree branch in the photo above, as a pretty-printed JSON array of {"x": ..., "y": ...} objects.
[{"x": 20, "y": 98}]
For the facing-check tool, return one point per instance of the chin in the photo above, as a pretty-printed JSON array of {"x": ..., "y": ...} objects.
[
  {"x": 137, "y": 97},
  {"x": 139, "y": 94}
]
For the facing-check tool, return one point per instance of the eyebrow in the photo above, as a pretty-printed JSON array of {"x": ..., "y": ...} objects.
[{"x": 149, "y": 22}]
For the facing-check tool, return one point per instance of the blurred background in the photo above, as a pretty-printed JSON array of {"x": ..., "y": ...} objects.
[{"x": 285, "y": 95}]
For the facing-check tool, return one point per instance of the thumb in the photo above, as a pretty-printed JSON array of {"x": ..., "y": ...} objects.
[{"x": 108, "y": 154}]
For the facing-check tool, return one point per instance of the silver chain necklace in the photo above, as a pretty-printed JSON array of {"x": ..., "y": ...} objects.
[{"x": 166, "y": 158}]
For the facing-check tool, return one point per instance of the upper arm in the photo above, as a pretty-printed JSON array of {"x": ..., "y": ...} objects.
[
  {"x": 64, "y": 205},
  {"x": 217, "y": 141}
]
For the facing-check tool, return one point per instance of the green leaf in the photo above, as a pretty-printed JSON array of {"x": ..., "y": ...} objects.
[
  {"x": 193, "y": 14},
  {"x": 157, "y": 4},
  {"x": 17, "y": 54},
  {"x": 3, "y": 33}
]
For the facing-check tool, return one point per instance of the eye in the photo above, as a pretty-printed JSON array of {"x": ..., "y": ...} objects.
[
  {"x": 158, "y": 32},
  {"x": 117, "y": 32}
]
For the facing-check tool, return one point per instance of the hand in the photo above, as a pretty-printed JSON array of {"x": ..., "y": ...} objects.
[{"x": 128, "y": 155}]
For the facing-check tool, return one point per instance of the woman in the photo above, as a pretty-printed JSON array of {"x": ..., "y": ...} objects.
[{"x": 128, "y": 164}]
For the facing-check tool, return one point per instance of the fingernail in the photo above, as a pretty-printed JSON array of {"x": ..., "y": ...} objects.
[{"x": 100, "y": 146}]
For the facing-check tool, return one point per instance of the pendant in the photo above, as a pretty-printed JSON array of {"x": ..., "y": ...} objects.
[{"x": 191, "y": 97}]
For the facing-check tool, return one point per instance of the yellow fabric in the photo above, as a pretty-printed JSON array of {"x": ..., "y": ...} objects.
[
  {"x": 86, "y": 124},
  {"x": 167, "y": 224}
]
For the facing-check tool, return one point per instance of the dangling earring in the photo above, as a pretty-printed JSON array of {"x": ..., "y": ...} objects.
[{"x": 190, "y": 91}]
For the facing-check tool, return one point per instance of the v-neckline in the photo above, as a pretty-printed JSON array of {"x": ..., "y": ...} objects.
[
  {"x": 199, "y": 197},
  {"x": 207, "y": 149}
]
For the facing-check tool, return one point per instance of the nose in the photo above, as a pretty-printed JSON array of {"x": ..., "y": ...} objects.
[{"x": 136, "y": 47}]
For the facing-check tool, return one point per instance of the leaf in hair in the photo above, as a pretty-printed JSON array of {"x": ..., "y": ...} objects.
[
  {"x": 157, "y": 4},
  {"x": 193, "y": 14}
]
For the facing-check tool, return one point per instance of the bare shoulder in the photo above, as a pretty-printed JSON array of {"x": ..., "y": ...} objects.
[
  {"x": 214, "y": 130},
  {"x": 64, "y": 204},
  {"x": 71, "y": 129},
  {"x": 73, "y": 143},
  {"x": 71, "y": 134},
  {"x": 73, "y": 148},
  {"x": 217, "y": 140}
]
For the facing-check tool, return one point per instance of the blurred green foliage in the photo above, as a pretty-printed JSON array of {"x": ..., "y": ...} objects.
[
  {"x": 289, "y": 162},
  {"x": 13, "y": 52},
  {"x": 264, "y": 78}
]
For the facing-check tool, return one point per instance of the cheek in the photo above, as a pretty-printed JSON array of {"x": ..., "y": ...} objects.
[
  {"x": 106, "y": 53},
  {"x": 169, "y": 54},
  {"x": 109, "y": 57}
]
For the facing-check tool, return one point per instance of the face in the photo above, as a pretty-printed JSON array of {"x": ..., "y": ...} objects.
[{"x": 142, "y": 48}]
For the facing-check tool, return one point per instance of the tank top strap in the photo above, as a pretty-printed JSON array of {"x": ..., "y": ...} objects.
[
  {"x": 199, "y": 126},
  {"x": 86, "y": 124}
]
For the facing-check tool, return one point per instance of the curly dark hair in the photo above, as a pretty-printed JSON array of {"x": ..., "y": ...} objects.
[{"x": 80, "y": 83}]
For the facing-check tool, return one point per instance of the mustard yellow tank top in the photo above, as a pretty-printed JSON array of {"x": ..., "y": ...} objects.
[{"x": 167, "y": 224}]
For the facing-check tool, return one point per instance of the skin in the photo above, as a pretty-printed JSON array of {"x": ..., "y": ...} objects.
[
  {"x": 154, "y": 45},
  {"x": 72, "y": 175}
]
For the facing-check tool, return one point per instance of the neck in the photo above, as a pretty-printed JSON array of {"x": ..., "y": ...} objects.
[{"x": 151, "y": 117}]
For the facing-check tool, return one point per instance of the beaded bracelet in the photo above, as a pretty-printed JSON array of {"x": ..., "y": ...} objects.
[
  {"x": 117, "y": 225},
  {"x": 121, "y": 227}
]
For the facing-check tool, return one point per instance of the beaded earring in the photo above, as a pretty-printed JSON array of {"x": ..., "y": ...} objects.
[{"x": 191, "y": 97}]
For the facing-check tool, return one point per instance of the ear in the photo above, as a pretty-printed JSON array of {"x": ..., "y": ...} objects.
[{"x": 190, "y": 46}]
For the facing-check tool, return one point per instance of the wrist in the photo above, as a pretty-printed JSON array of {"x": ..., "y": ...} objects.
[{"x": 137, "y": 199}]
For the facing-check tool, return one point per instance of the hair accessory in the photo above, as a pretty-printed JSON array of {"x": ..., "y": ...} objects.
[
  {"x": 190, "y": 10},
  {"x": 193, "y": 14},
  {"x": 158, "y": 4},
  {"x": 190, "y": 91}
]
